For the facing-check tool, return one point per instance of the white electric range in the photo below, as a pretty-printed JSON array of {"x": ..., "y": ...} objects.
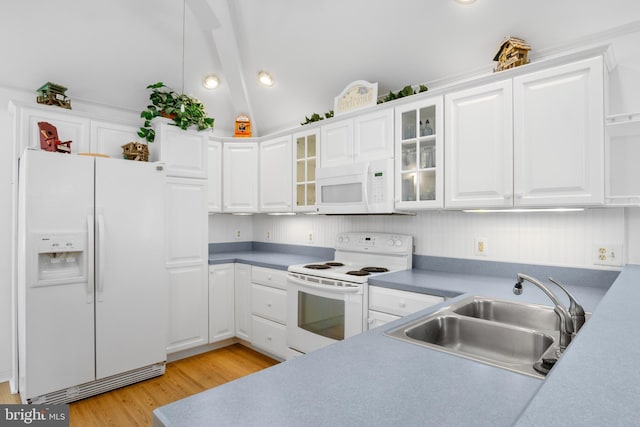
[{"x": 327, "y": 300}]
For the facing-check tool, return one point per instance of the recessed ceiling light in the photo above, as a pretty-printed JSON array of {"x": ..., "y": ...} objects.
[
  {"x": 465, "y": 1},
  {"x": 211, "y": 81},
  {"x": 265, "y": 78}
]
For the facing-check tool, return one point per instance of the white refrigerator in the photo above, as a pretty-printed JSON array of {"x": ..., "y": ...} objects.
[{"x": 92, "y": 282}]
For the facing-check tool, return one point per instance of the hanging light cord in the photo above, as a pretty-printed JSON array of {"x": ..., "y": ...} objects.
[{"x": 184, "y": 3}]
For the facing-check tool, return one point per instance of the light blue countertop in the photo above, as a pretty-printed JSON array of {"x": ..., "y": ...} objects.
[{"x": 374, "y": 380}]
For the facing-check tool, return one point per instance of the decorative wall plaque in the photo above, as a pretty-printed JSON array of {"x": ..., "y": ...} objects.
[{"x": 356, "y": 95}]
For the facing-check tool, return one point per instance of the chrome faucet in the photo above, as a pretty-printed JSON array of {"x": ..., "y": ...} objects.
[
  {"x": 567, "y": 329},
  {"x": 575, "y": 309}
]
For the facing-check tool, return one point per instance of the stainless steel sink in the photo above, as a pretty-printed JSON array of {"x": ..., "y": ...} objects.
[
  {"x": 490, "y": 341},
  {"x": 502, "y": 333},
  {"x": 530, "y": 316}
]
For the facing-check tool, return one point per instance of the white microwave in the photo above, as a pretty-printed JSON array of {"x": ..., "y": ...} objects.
[{"x": 359, "y": 188}]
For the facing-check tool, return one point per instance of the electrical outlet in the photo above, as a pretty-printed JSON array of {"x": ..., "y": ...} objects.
[
  {"x": 310, "y": 236},
  {"x": 481, "y": 246},
  {"x": 237, "y": 234},
  {"x": 268, "y": 235},
  {"x": 608, "y": 255}
]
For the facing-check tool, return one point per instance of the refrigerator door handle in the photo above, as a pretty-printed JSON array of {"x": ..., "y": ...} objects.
[
  {"x": 90, "y": 253},
  {"x": 100, "y": 258}
]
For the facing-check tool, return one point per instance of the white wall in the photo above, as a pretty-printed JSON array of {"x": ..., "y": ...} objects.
[{"x": 563, "y": 239}]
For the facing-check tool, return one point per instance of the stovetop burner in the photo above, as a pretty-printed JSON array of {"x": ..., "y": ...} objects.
[
  {"x": 358, "y": 273},
  {"x": 317, "y": 266},
  {"x": 334, "y": 264},
  {"x": 375, "y": 269}
]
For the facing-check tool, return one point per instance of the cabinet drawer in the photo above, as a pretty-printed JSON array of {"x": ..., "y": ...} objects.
[
  {"x": 269, "y": 277},
  {"x": 377, "y": 318},
  {"x": 400, "y": 303},
  {"x": 269, "y": 336},
  {"x": 268, "y": 302}
]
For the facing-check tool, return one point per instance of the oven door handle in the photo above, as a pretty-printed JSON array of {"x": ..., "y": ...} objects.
[{"x": 326, "y": 288}]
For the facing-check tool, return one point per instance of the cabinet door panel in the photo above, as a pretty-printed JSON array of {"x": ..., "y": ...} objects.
[
  {"x": 221, "y": 302},
  {"x": 373, "y": 137},
  {"x": 240, "y": 177},
  {"x": 188, "y": 308},
  {"x": 559, "y": 136},
  {"x": 337, "y": 144},
  {"x": 108, "y": 138},
  {"x": 214, "y": 173},
  {"x": 187, "y": 222},
  {"x": 243, "y": 301},
  {"x": 183, "y": 152},
  {"x": 479, "y": 147},
  {"x": 276, "y": 165}
]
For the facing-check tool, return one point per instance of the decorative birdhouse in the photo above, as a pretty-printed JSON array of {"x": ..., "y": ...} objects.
[
  {"x": 136, "y": 151},
  {"x": 512, "y": 53},
  {"x": 243, "y": 126},
  {"x": 53, "y": 94},
  {"x": 49, "y": 139}
]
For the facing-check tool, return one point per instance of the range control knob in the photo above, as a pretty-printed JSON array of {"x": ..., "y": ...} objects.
[
  {"x": 340, "y": 239},
  {"x": 390, "y": 242},
  {"x": 346, "y": 239},
  {"x": 399, "y": 242}
]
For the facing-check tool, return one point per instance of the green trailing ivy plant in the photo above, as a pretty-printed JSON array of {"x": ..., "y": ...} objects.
[
  {"x": 406, "y": 91},
  {"x": 315, "y": 117},
  {"x": 184, "y": 110}
]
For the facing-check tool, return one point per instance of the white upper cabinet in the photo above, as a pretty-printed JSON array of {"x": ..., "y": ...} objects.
[
  {"x": 184, "y": 152},
  {"x": 70, "y": 127},
  {"x": 108, "y": 137},
  {"x": 276, "y": 171},
  {"x": 559, "y": 135},
  {"x": 305, "y": 149},
  {"x": 240, "y": 177},
  {"x": 623, "y": 157},
  {"x": 479, "y": 147},
  {"x": 533, "y": 141},
  {"x": 337, "y": 144},
  {"x": 419, "y": 155},
  {"x": 214, "y": 174},
  {"x": 359, "y": 139},
  {"x": 373, "y": 136}
]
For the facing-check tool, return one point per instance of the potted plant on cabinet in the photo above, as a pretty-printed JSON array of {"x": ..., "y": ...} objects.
[{"x": 184, "y": 110}]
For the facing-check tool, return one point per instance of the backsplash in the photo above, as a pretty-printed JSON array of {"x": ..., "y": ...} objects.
[{"x": 563, "y": 239}]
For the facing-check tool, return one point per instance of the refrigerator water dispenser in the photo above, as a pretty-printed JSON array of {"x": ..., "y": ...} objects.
[{"x": 61, "y": 257}]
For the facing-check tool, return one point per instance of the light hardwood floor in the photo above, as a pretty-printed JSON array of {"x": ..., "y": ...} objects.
[{"x": 132, "y": 405}]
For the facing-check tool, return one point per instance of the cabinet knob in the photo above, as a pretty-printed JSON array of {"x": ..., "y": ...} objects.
[
  {"x": 519, "y": 196},
  {"x": 402, "y": 304},
  {"x": 268, "y": 304},
  {"x": 508, "y": 196},
  {"x": 269, "y": 337}
]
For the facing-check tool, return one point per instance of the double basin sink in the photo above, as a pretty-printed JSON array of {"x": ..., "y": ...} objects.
[{"x": 502, "y": 333}]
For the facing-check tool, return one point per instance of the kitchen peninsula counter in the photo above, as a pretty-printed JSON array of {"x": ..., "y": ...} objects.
[{"x": 374, "y": 380}]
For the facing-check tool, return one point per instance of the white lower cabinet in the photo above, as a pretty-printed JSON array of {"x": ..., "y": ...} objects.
[
  {"x": 221, "y": 302},
  {"x": 378, "y": 318},
  {"x": 269, "y": 310},
  {"x": 386, "y": 304},
  {"x": 242, "y": 287},
  {"x": 269, "y": 336}
]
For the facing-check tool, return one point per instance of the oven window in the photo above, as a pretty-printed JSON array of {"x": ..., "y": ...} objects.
[{"x": 320, "y": 315}]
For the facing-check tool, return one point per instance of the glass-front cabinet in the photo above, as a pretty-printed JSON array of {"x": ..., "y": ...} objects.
[
  {"x": 419, "y": 155},
  {"x": 305, "y": 154}
]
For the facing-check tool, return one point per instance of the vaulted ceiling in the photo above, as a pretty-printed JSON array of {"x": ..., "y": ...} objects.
[{"x": 107, "y": 52}]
